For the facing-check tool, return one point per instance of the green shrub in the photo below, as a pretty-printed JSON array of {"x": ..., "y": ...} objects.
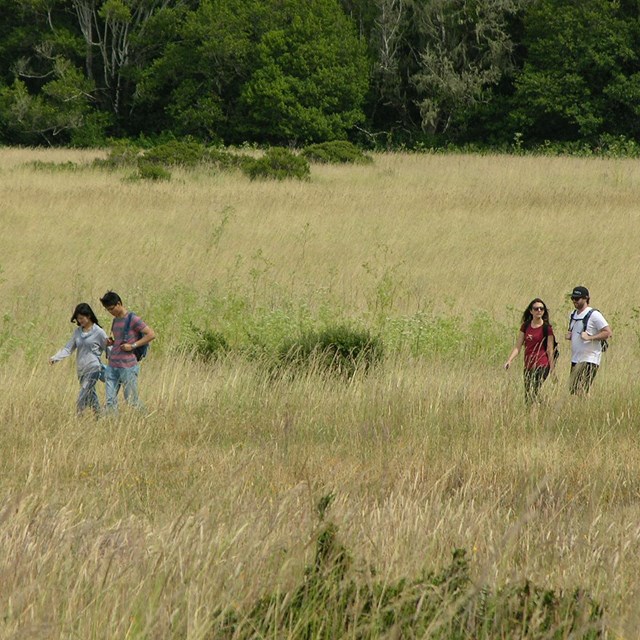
[
  {"x": 150, "y": 171},
  {"x": 336, "y": 152},
  {"x": 208, "y": 345},
  {"x": 121, "y": 154},
  {"x": 277, "y": 163},
  {"x": 177, "y": 153},
  {"x": 338, "y": 349},
  {"x": 223, "y": 159}
]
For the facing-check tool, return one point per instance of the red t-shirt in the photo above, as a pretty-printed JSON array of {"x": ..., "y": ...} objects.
[{"x": 535, "y": 352}]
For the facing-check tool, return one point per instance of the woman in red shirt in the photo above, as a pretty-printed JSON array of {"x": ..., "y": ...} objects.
[{"x": 538, "y": 349}]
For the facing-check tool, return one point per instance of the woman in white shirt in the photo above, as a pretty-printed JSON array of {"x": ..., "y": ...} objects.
[{"x": 89, "y": 341}]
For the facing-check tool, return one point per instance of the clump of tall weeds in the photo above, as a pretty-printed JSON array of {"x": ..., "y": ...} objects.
[
  {"x": 331, "y": 603},
  {"x": 336, "y": 349}
]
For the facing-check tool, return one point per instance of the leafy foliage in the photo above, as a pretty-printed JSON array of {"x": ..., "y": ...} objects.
[
  {"x": 208, "y": 344},
  {"x": 580, "y": 77},
  {"x": 151, "y": 171},
  {"x": 336, "y": 152},
  {"x": 339, "y": 349},
  {"x": 277, "y": 163},
  {"x": 310, "y": 77},
  {"x": 176, "y": 153}
]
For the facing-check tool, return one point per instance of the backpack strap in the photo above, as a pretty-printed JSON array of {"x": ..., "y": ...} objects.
[
  {"x": 586, "y": 319},
  {"x": 127, "y": 326}
]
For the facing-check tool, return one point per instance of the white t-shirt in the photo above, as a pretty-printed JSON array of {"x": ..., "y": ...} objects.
[{"x": 586, "y": 350}]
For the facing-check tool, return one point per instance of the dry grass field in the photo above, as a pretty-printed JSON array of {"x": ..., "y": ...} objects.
[{"x": 154, "y": 525}]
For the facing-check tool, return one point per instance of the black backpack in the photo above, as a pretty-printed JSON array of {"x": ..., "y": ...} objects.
[
  {"x": 139, "y": 352},
  {"x": 585, "y": 320},
  {"x": 545, "y": 333}
]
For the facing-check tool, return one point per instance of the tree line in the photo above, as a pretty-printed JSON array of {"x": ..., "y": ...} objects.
[{"x": 382, "y": 73}]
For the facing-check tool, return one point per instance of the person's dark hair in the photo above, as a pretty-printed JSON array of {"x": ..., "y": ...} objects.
[
  {"x": 110, "y": 299},
  {"x": 83, "y": 309},
  {"x": 527, "y": 316}
]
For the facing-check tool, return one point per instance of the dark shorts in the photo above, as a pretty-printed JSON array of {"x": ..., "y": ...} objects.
[{"x": 582, "y": 376}]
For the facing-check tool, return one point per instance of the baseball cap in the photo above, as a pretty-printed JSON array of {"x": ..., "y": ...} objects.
[{"x": 580, "y": 292}]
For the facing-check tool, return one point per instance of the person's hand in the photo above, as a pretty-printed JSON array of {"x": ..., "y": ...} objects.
[
  {"x": 585, "y": 336},
  {"x": 52, "y": 361},
  {"x": 110, "y": 342},
  {"x": 507, "y": 364},
  {"x": 126, "y": 347}
]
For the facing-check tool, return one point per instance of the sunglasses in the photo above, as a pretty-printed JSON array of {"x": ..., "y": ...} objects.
[{"x": 537, "y": 308}]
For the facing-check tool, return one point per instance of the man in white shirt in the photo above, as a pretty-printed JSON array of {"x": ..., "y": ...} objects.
[{"x": 587, "y": 329}]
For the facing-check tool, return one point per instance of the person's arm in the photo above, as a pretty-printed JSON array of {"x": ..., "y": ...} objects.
[
  {"x": 600, "y": 325},
  {"x": 552, "y": 362},
  {"x": 604, "y": 334},
  {"x": 148, "y": 334},
  {"x": 516, "y": 350},
  {"x": 103, "y": 342},
  {"x": 65, "y": 352}
]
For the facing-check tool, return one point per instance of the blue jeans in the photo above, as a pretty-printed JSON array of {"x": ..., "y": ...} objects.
[
  {"x": 127, "y": 378},
  {"x": 88, "y": 397}
]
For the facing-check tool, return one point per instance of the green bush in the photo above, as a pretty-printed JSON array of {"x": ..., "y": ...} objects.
[
  {"x": 336, "y": 152},
  {"x": 223, "y": 159},
  {"x": 338, "y": 349},
  {"x": 121, "y": 154},
  {"x": 177, "y": 153},
  {"x": 208, "y": 345},
  {"x": 329, "y": 603},
  {"x": 277, "y": 163},
  {"x": 150, "y": 171}
]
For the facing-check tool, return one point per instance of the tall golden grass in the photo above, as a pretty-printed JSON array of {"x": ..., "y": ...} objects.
[{"x": 149, "y": 525}]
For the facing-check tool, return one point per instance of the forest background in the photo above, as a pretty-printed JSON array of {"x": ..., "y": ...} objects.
[{"x": 560, "y": 75}]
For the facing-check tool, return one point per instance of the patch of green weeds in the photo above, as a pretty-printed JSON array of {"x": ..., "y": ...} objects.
[
  {"x": 336, "y": 349},
  {"x": 54, "y": 167},
  {"x": 208, "y": 344},
  {"x": 445, "y": 604}
]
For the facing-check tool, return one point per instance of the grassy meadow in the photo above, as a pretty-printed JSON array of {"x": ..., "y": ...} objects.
[{"x": 160, "y": 525}]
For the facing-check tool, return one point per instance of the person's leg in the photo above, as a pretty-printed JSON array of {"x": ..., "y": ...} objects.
[
  {"x": 112, "y": 386},
  {"x": 87, "y": 398},
  {"x": 540, "y": 374},
  {"x": 130, "y": 383},
  {"x": 589, "y": 375},
  {"x": 528, "y": 386},
  {"x": 582, "y": 376},
  {"x": 94, "y": 403}
]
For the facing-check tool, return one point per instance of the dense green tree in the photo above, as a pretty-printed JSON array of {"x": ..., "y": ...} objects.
[
  {"x": 274, "y": 71},
  {"x": 59, "y": 113},
  {"x": 193, "y": 86},
  {"x": 465, "y": 48},
  {"x": 310, "y": 77},
  {"x": 581, "y": 75}
]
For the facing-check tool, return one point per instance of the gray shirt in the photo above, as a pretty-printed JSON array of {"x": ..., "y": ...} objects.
[{"x": 89, "y": 346}]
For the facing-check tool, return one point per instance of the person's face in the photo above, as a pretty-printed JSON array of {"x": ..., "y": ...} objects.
[
  {"x": 537, "y": 309},
  {"x": 83, "y": 321},
  {"x": 115, "y": 309},
  {"x": 579, "y": 303}
]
